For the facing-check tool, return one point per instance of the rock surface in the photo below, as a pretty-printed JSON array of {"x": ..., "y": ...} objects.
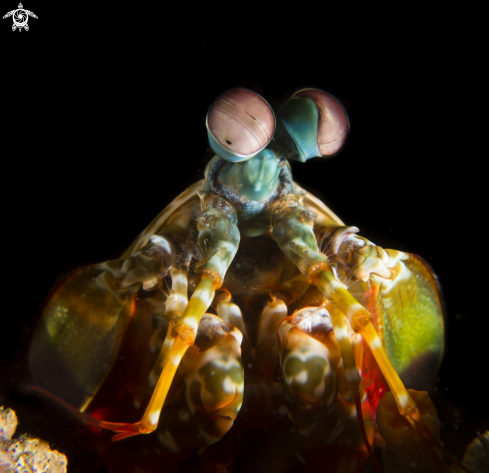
[{"x": 25, "y": 454}]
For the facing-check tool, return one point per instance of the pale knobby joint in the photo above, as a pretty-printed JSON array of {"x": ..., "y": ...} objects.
[{"x": 175, "y": 305}]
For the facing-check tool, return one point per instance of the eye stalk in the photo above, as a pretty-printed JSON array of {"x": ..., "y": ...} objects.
[
  {"x": 240, "y": 123},
  {"x": 312, "y": 123}
]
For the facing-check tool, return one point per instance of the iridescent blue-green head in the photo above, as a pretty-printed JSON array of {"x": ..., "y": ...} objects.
[
  {"x": 251, "y": 169},
  {"x": 312, "y": 123}
]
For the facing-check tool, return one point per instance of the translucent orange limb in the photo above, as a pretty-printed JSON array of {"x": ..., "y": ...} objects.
[
  {"x": 184, "y": 333},
  {"x": 360, "y": 318},
  {"x": 293, "y": 232},
  {"x": 351, "y": 373},
  {"x": 175, "y": 305},
  {"x": 361, "y": 424},
  {"x": 126, "y": 429},
  {"x": 163, "y": 355},
  {"x": 219, "y": 235},
  {"x": 151, "y": 416}
]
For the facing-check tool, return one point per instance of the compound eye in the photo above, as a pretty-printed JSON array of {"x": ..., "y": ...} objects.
[
  {"x": 240, "y": 123},
  {"x": 333, "y": 123},
  {"x": 312, "y": 123}
]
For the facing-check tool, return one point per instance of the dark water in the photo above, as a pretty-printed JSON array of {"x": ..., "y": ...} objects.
[{"x": 109, "y": 139}]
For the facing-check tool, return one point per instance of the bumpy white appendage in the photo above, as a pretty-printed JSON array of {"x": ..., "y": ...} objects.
[
  {"x": 213, "y": 378},
  {"x": 309, "y": 372}
]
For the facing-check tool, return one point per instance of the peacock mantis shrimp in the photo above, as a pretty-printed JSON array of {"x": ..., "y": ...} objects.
[{"x": 247, "y": 295}]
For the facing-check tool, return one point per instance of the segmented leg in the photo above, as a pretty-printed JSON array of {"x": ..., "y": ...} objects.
[
  {"x": 293, "y": 231},
  {"x": 403, "y": 291},
  {"x": 201, "y": 406},
  {"x": 175, "y": 305},
  {"x": 207, "y": 391},
  {"x": 218, "y": 242},
  {"x": 109, "y": 306}
]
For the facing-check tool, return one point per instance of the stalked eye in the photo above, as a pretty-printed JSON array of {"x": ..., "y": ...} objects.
[
  {"x": 314, "y": 123},
  {"x": 333, "y": 121},
  {"x": 240, "y": 123}
]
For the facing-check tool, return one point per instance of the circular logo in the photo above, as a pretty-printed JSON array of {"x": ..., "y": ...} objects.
[{"x": 20, "y": 18}]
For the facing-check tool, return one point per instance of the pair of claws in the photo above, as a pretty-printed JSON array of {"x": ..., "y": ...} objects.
[
  {"x": 292, "y": 227},
  {"x": 294, "y": 235}
]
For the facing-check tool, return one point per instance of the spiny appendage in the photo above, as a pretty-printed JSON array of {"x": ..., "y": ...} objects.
[
  {"x": 149, "y": 266},
  {"x": 175, "y": 305},
  {"x": 218, "y": 241},
  {"x": 220, "y": 236},
  {"x": 293, "y": 231},
  {"x": 192, "y": 314},
  {"x": 402, "y": 293},
  {"x": 184, "y": 333},
  {"x": 355, "y": 257},
  {"x": 26, "y": 453},
  {"x": 145, "y": 270},
  {"x": 99, "y": 303},
  {"x": 217, "y": 227},
  {"x": 207, "y": 391}
]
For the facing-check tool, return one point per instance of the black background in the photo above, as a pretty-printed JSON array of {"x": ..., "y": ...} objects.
[{"x": 103, "y": 115}]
